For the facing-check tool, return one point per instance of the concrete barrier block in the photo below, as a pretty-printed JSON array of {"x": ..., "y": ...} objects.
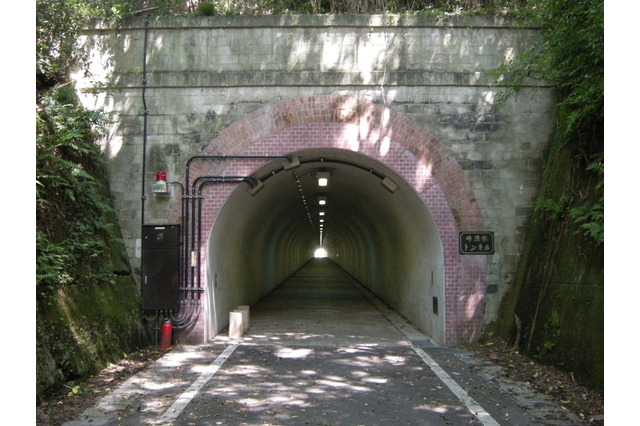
[
  {"x": 245, "y": 316},
  {"x": 236, "y": 328}
]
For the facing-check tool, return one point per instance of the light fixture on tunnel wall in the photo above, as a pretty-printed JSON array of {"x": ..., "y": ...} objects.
[
  {"x": 389, "y": 184},
  {"x": 161, "y": 187},
  {"x": 255, "y": 185},
  {"x": 291, "y": 163},
  {"x": 323, "y": 178}
]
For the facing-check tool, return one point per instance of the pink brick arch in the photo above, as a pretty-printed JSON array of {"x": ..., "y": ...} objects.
[{"x": 387, "y": 136}]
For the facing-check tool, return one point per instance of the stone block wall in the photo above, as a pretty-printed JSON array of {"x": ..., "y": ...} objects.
[{"x": 200, "y": 75}]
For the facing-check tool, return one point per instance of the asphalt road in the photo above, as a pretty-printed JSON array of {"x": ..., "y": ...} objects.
[{"x": 321, "y": 350}]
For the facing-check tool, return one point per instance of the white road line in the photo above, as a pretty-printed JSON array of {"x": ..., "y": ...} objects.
[
  {"x": 186, "y": 397},
  {"x": 411, "y": 333},
  {"x": 475, "y": 408}
]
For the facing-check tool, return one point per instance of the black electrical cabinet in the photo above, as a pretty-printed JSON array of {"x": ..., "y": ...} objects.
[{"x": 160, "y": 267}]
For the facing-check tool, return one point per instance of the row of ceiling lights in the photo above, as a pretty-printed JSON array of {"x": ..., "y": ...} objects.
[{"x": 323, "y": 180}]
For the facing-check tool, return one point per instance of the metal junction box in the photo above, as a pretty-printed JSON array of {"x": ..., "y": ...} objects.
[{"x": 160, "y": 267}]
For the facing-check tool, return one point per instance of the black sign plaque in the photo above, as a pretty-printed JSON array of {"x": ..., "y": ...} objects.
[{"x": 480, "y": 242}]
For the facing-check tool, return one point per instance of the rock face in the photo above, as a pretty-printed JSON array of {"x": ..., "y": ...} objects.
[
  {"x": 84, "y": 329},
  {"x": 94, "y": 319}
]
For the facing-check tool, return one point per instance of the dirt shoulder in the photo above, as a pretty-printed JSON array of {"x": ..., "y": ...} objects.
[
  {"x": 548, "y": 380},
  {"x": 69, "y": 400}
]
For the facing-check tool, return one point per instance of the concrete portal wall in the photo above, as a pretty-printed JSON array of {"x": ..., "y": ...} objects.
[{"x": 203, "y": 74}]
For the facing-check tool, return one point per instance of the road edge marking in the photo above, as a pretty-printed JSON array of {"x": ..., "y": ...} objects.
[
  {"x": 476, "y": 409},
  {"x": 411, "y": 333},
  {"x": 185, "y": 398}
]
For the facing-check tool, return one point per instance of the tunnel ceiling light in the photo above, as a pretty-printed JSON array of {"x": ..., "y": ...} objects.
[
  {"x": 321, "y": 213},
  {"x": 161, "y": 187},
  {"x": 389, "y": 184},
  {"x": 322, "y": 200},
  {"x": 323, "y": 178}
]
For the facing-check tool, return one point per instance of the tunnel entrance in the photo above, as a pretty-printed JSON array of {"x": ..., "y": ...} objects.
[
  {"x": 403, "y": 201},
  {"x": 370, "y": 221}
]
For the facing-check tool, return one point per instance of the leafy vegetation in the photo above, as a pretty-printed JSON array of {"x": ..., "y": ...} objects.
[
  {"x": 67, "y": 159},
  {"x": 570, "y": 54},
  {"x": 206, "y": 9},
  {"x": 87, "y": 306},
  {"x": 558, "y": 292}
]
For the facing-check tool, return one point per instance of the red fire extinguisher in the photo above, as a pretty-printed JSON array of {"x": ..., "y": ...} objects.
[{"x": 165, "y": 337}]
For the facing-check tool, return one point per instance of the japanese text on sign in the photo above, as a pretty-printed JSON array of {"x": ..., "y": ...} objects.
[{"x": 476, "y": 243}]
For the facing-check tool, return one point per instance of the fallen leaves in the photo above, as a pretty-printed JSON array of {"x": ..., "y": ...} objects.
[
  {"x": 70, "y": 399},
  {"x": 588, "y": 404},
  {"x": 74, "y": 391}
]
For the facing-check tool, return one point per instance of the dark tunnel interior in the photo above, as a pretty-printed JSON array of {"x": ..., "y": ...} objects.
[{"x": 373, "y": 225}]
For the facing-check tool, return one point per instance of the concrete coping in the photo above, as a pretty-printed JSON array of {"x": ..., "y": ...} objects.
[{"x": 312, "y": 21}]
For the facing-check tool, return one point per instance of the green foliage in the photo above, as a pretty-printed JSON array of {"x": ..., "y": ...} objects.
[
  {"x": 73, "y": 207},
  {"x": 577, "y": 67},
  {"x": 381, "y": 6},
  {"x": 584, "y": 207},
  {"x": 558, "y": 291},
  {"x": 57, "y": 26},
  {"x": 590, "y": 215},
  {"x": 120, "y": 11},
  {"x": 553, "y": 209},
  {"x": 570, "y": 55},
  {"x": 56, "y": 29},
  {"x": 206, "y": 9}
]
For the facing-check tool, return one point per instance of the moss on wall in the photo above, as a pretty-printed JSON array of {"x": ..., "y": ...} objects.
[
  {"x": 83, "y": 328},
  {"x": 559, "y": 292},
  {"x": 87, "y": 300}
]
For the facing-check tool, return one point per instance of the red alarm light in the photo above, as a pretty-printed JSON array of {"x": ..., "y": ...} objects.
[{"x": 161, "y": 187}]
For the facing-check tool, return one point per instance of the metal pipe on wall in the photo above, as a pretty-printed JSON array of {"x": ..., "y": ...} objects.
[
  {"x": 145, "y": 112},
  {"x": 145, "y": 116}
]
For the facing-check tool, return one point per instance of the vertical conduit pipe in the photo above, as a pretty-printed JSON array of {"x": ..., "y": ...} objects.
[
  {"x": 145, "y": 114},
  {"x": 143, "y": 195},
  {"x": 191, "y": 195},
  {"x": 208, "y": 180}
]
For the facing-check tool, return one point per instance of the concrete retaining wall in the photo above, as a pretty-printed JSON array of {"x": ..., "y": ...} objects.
[{"x": 203, "y": 74}]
